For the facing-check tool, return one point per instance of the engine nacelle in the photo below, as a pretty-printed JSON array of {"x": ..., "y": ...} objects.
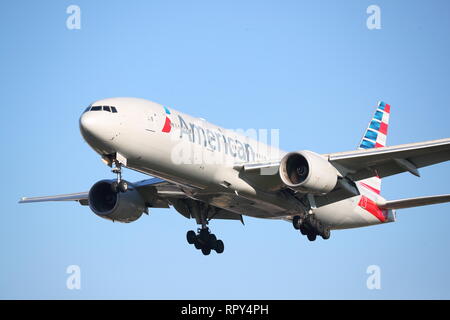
[
  {"x": 308, "y": 172},
  {"x": 116, "y": 206}
]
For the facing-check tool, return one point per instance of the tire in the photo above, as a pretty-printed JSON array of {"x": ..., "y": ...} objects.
[
  {"x": 296, "y": 222},
  {"x": 191, "y": 237},
  {"x": 326, "y": 233},
  {"x": 206, "y": 251},
  {"x": 219, "y": 246},
  {"x": 123, "y": 186},
  {"x": 212, "y": 241},
  {"x": 197, "y": 244},
  {"x": 115, "y": 187},
  {"x": 312, "y": 236},
  {"x": 302, "y": 230}
]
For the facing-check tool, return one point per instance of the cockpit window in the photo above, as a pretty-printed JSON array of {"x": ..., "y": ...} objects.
[{"x": 101, "y": 108}]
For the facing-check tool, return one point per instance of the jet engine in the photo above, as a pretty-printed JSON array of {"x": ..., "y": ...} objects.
[
  {"x": 116, "y": 206},
  {"x": 308, "y": 172}
]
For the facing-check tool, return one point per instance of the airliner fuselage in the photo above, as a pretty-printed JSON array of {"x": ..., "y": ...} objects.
[
  {"x": 192, "y": 152},
  {"x": 210, "y": 173}
]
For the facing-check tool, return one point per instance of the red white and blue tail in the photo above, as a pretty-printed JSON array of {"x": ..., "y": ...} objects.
[
  {"x": 376, "y": 137},
  {"x": 376, "y": 133}
]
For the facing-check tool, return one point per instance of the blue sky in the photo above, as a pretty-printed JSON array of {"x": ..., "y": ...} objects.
[{"x": 312, "y": 69}]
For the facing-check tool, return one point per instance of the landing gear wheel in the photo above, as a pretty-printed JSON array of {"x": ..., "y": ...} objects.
[
  {"x": 206, "y": 251},
  {"x": 212, "y": 241},
  {"x": 123, "y": 186},
  {"x": 326, "y": 233},
  {"x": 204, "y": 240},
  {"x": 191, "y": 237},
  {"x": 311, "y": 236},
  {"x": 296, "y": 222},
  {"x": 219, "y": 246},
  {"x": 302, "y": 230},
  {"x": 115, "y": 187}
]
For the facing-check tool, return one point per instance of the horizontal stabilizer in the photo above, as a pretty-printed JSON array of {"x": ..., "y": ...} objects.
[{"x": 414, "y": 202}]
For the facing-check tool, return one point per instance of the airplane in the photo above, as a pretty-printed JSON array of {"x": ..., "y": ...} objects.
[{"x": 207, "y": 173}]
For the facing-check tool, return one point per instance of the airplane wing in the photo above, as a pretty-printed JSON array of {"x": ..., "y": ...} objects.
[
  {"x": 387, "y": 161},
  {"x": 382, "y": 162},
  {"x": 163, "y": 189},
  {"x": 414, "y": 202},
  {"x": 162, "y": 193},
  {"x": 81, "y": 197}
]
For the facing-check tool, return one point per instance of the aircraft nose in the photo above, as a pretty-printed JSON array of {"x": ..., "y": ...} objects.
[
  {"x": 88, "y": 123},
  {"x": 97, "y": 128}
]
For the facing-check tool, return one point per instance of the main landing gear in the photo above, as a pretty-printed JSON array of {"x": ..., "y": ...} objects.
[
  {"x": 119, "y": 185},
  {"x": 205, "y": 241},
  {"x": 311, "y": 227}
]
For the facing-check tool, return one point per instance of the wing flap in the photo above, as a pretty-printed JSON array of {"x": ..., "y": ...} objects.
[{"x": 414, "y": 202}]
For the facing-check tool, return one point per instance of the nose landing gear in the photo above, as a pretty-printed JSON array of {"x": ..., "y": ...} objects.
[{"x": 119, "y": 185}]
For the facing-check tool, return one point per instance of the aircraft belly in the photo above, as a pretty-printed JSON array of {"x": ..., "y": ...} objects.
[{"x": 252, "y": 208}]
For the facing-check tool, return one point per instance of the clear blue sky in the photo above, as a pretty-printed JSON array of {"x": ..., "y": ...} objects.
[{"x": 311, "y": 69}]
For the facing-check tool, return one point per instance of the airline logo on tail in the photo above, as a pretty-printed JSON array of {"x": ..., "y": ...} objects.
[
  {"x": 376, "y": 133},
  {"x": 375, "y": 137}
]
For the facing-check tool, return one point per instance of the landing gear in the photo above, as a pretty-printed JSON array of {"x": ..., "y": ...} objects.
[
  {"x": 326, "y": 234},
  {"x": 311, "y": 227},
  {"x": 311, "y": 236},
  {"x": 205, "y": 241},
  {"x": 119, "y": 185},
  {"x": 191, "y": 237}
]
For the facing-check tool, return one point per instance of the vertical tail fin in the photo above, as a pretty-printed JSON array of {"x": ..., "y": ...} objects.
[
  {"x": 376, "y": 133},
  {"x": 376, "y": 137}
]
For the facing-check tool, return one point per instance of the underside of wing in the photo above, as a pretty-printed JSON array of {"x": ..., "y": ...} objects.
[{"x": 387, "y": 161}]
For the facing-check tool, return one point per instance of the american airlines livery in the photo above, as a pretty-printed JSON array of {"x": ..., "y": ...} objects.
[{"x": 206, "y": 172}]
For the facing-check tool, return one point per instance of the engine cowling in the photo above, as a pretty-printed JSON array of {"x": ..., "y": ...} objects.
[
  {"x": 308, "y": 172},
  {"x": 116, "y": 206}
]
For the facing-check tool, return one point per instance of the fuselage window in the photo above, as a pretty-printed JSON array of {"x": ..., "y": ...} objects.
[
  {"x": 96, "y": 108},
  {"x": 106, "y": 108},
  {"x": 113, "y": 109}
]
